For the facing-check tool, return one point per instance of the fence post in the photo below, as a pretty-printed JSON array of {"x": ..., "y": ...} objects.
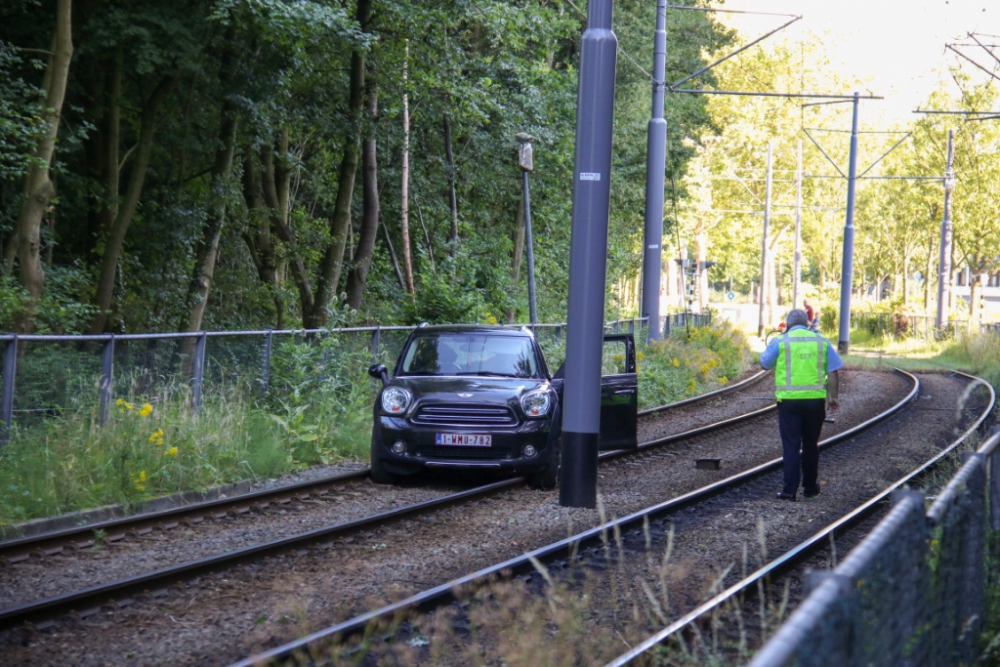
[
  {"x": 107, "y": 376},
  {"x": 265, "y": 365},
  {"x": 198, "y": 372},
  {"x": 7, "y": 392},
  {"x": 558, "y": 335},
  {"x": 631, "y": 326},
  {"x": 666, "y": 326},
  {"x": 376, "y": 340}
]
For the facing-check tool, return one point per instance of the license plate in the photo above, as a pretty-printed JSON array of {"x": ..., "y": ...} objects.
[{"x": 463, "y": 440}]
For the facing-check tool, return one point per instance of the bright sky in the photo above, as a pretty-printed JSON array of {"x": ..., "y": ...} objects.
[{"x": 897, "y": 45}]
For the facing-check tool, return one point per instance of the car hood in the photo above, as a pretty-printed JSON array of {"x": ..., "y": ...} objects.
[{"x": 483, "y": 389}]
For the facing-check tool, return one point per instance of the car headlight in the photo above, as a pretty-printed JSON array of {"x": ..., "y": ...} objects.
[
  {"x": 536, "y": 403},
  {"x": 395, "y": 400}
]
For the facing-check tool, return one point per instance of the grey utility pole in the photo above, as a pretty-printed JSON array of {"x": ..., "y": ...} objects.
[
  {"x": 847, "y": 270},
  {"x": 656, "y": 145},
  {"x": 761, "y": 319},
  {"x": 526, "y": 162},
  {"x": 588, "y": 258},
  {"x": 944, "y": 265},
  {"x": 797, "y": 261}
]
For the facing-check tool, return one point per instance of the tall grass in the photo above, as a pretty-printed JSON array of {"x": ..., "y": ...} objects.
[{"x": 317, "y": 411}]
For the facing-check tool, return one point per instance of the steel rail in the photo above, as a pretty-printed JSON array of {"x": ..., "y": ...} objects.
[
  {"x": 753, "y": 379},
  {"x": 563, "y": 549},
  {"x": 19, "y": 549},
  {"x": 90, "y": 598},
  {"x": 805, "y": 548}
]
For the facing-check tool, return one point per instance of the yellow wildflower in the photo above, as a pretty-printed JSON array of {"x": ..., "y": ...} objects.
[
  {"x": 128, "y": 405},
  {"x": 119, "y": 402},
  {"x": 142, "y": 476},
  {"x": 173, "y": 451},
  {"x": 146, "y": 410},
  {"x": 157, "y": 437},
  {"x": 639, "y": 356},
  {"x": 676, "y": 363}
]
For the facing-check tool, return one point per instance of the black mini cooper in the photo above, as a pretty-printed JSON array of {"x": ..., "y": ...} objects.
[{"x": 481, "y": 397}]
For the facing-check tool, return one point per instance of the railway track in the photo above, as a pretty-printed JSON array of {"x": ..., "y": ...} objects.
[
  {"x": 566, "y": 550},
  {"x": 116, "y": 530},
  {"x": 773, "y": 571},
  {"x": 122, "y": 592}
]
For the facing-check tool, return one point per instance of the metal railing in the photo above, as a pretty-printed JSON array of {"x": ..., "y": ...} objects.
[
  {"x": 916, "y": 326},
  {"x": 41, "y": 375},
  {"x": 912, "y": 592}
]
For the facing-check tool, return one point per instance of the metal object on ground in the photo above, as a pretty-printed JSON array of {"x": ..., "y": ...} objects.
[
  {"x": 708, "y": 464},
  {"x": 656, "y": 153},
  {"x": 588, "y": 257}
]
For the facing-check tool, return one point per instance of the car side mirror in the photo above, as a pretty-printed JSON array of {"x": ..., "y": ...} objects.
[{"x": 379, "y": 372}]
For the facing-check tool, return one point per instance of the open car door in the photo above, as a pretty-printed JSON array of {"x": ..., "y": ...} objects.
[{"x": 619, "y": 393}]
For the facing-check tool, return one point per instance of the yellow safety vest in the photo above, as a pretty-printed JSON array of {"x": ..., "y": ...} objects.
[{"x": 801, "y": 368}]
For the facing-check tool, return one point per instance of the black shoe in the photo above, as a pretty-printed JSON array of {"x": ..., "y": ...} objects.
[
  {"x": 785, "y": 496},
  {"x": 811, "y": 491}
]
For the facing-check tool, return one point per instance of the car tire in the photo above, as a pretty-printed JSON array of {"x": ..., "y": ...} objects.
[
  {"x": 379, "y": 474},
  {"x": 547, "y": 478}
]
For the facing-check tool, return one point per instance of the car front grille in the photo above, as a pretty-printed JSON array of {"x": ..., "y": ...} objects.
[{"x": 464, "y": 414}]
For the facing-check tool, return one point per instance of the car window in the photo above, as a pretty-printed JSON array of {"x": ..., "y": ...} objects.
[
  {"x": 614, "y": 357},
  {"x": 470, "y": 354}
]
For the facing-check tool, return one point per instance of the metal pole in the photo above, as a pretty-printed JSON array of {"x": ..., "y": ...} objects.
[
  {"x": 588, "y": 258},
  {"x": 656, "y": 160},
  {"x": 198, "y": 372},
  {"x": 265, "y": 363},
  {"x": 847, "y": 271},
  {"x": 763, "y": 249},
  {"x": 944, "y": 264},
  {"x": 107, "y": 377},
  {"x": 532, "y": 309},
  {"x": 7, "y": 391},
  {"x": 797, "y": 269}
]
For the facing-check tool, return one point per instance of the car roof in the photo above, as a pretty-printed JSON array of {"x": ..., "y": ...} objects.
[{"x": 472, "y": 328}]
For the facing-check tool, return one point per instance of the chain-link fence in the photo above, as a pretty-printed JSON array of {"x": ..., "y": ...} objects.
[
  {"x": 43, "y": 376},
  {"x": 912, "y": 593},
  {"x": 919, "y": 327}
]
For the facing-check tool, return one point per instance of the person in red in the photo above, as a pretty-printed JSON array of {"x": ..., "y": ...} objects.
[{"x": 810, "y": 313}]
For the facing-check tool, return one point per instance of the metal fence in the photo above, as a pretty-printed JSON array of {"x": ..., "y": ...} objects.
[
  {"x": 44, "y": 375},
  {"x": 921, "y": 327},
  {"x": 911, "y": 593}
]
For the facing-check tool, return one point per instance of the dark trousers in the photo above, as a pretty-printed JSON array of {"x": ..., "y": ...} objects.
[{"x": 800, "y": 421}]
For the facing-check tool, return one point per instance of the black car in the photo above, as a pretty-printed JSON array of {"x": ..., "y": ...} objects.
[{"x": 481, "y": 397}]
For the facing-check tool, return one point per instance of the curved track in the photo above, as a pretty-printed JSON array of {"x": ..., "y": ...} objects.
[
  {"x": 561, "y": 550},
  {"x": 87, "y": 601}
]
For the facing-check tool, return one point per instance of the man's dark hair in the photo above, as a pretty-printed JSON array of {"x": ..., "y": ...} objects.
[{"x": 796, "y": 317}]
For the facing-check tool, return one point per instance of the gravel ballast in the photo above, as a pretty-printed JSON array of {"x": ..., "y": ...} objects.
[{"x": 222, "y": 618}]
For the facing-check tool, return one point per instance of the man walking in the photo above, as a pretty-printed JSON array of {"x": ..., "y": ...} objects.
[{"x": 805, "y": 382}]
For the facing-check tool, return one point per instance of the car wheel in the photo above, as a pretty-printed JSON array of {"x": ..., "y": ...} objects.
[
  {"x": 378, "y": 472},
  {"x": 546, "y": 478}
]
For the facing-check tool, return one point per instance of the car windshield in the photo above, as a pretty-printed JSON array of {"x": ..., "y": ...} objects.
[{"x": 470, "y": 354}]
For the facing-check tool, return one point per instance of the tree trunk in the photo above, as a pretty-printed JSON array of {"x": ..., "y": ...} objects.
[
  {"x": 404, "y": 218},
  {"x": 258, "y": 237},
  {"x": 395, "y": 261},
  {"x": 110, "y": 149},
  {"x": 362, "y": 260},
  {"x": 208, "y": 247},
  {"x": 333, "y": 259},
  {"x": 116, "y": 234},
  {"x": 276, "y": 187},
  {"x": 450, "y": 155},
  {"x": 427, "y": 237},
  {"x": 38, "y": 187}
]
